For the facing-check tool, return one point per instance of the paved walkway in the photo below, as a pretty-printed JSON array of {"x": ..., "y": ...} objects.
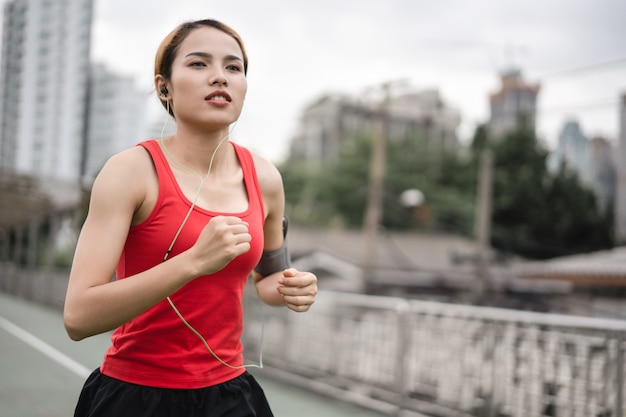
[{"x": 42, "y": 370}]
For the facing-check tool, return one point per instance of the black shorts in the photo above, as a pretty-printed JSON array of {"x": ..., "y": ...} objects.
[{"x": 103, "y": 396}]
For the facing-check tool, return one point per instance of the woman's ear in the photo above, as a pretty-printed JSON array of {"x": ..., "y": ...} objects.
[{"x": 161, "y": 87}]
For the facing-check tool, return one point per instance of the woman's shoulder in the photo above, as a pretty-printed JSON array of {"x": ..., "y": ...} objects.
[
  {"x": 127, "y": 170},
  {"x": 268, "y": 175},
  {"x": 129, "y": 161}
]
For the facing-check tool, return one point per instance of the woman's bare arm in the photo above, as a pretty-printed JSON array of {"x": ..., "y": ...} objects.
[{"x": 295, "y": 289}]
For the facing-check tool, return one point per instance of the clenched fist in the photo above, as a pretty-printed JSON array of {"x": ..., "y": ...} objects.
[
  {"x": 298, "y": 289},
  {"x": 222, "y": 240}
]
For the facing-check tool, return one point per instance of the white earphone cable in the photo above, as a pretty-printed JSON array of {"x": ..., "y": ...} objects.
[{"x": 180, "y": 228}]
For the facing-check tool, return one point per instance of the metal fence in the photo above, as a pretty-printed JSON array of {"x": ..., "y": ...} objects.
[{"x": 427, "y": 358}]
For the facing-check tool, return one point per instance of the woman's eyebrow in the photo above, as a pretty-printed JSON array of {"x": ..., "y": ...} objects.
[{"x": 210, "y": 56}]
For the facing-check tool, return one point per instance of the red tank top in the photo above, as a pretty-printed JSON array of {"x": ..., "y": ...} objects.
[{"x": 156, "y": 348}]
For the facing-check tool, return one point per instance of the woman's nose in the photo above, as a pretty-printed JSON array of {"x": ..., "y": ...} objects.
[{"x": 218, "y": 77}]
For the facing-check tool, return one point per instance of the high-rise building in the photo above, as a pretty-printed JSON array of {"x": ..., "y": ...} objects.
[
  {"x": 572, "y": 149},
  {"x": 116, "y": 117},
  {"x": 601, "y": 172},
  {"x": 620, "y": 200},
  {"x": 515, "y": 103},
  {"x": 43, "y": 87},
  {"x": 332, "y": 119}
]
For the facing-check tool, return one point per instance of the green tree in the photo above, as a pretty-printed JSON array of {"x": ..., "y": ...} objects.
[
  {"x": 338, "y": 190},
  {"x": 342, "y": 184},
  {"x": 535, "y": 213},
  {"x": 538, "y": 214}
]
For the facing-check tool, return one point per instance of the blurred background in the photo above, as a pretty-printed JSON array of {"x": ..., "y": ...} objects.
[{"x": 455, "y": 174}]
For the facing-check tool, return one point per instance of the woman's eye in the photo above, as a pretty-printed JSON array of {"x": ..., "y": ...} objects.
[
  {"x": 234, "y": 68},
  {"x": 197, "y": 64}
]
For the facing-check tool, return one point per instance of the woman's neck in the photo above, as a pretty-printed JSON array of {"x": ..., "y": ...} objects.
[{"x": 196, "y": 151}]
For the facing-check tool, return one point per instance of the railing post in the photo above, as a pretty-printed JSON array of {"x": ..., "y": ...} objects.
[
  {"x": 491, "y": 399},
  {"x": 619, "y": 375},
  {"x": 588, "y": 389},
  {"x": 401, "y": 354}
]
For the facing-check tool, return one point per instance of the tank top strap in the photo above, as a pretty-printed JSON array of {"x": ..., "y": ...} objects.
[
  {"x": 160, "y": 165},
  {"x": 255, "y": 196}
]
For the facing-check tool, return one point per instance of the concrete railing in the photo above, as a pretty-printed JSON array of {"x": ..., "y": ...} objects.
[
  {"x": 46, "y": 287},
  {"x": 426, "y": 358}
]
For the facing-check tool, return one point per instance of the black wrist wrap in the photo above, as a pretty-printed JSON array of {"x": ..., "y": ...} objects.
[{"x": 275, "y": 260}]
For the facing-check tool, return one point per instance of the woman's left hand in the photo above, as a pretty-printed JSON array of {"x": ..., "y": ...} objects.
[{"x": 298, "y": 289}]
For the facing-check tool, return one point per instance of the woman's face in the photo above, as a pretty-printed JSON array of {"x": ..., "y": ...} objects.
[{"x": 208, "y": 84}]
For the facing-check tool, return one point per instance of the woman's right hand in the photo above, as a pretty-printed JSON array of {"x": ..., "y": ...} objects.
[{"x": 222, "y": 240}]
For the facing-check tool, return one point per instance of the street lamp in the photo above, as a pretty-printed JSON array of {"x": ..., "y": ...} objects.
[{"x": 412, "y": 198}]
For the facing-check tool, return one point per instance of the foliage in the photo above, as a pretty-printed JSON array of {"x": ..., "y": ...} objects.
[
  {"x": 336, "y": 193},
  {"x": 535, "y": 213},
  {"x": 539, "y": 214}
]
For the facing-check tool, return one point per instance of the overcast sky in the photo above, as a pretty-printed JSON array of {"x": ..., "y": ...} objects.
[{"x": 301, "y": 49}]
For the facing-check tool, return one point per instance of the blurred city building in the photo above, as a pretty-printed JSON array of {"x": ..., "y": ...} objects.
[
  {"x": 44, "y": 85},
  {"x": 442, "y": 267},
  {"x": 162, "y": 125},
  {"x": 620, "y": 200},
  {"x": 514, "y": 103},
  {"x": 117, "y": 113},
  {"x": 592, "y": 160},
  {"x": 60, "y": 119},
  {"x": 571, "y": 149},
  {"x": 601, "y": 175},
  {"x": 333, "y": 119}
]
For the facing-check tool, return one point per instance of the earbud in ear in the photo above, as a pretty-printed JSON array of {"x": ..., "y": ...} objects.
[{"x": 164, "y": 91}]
